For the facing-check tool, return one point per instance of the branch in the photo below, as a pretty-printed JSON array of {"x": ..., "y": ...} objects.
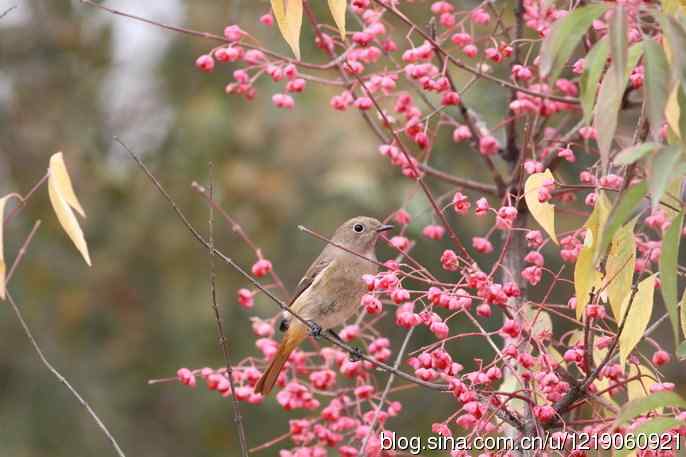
[
  {"x": 474, "y": 71},
  {"x": 411, "y": 161},
  {"x": 211, "y": 36},
  {"x": 7, "y": 11},
  {"x": 237, "y": 418},
  {"x": 284, "y": 307},
  {"x": 391, "y": 378}
]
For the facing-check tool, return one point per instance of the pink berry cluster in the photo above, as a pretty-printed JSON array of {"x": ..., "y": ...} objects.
[{"x": 411, "y": 90}]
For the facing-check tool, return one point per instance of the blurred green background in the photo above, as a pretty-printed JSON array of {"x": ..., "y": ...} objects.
[{"x": 72, "y": 78}]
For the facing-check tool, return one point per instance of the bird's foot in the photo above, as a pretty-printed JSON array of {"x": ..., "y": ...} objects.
[
  {"x": 315, "y": 329},
  {"x": 356, "y": 354}
]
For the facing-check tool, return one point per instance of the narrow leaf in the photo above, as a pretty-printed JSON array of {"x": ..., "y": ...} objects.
[
  {"x": 668, "y": 274},
  {"x": 676, "y": 36},
  {"x": 657, "y": 77},
  {"x": 3, "y": 200},
  {"x": 639, "y": 311},
  {"x": 609, "y": 101},
  {"x": 337, "y": 8},
  {"x": 643, "y": 405},
  {"x": 564, "y": 36},
  {"x": 619, "y": 268},
  {"x": 634, "y": 153},
  {"x": 288, "y": 14},
  {"x": 595, "y": 64},
  {"x": 586, "y": 276},
  {"x": 673, "y": 111},
  {"x": 681, "y": 351},
  {"x": 63, "y": 210},
  {"x": 660, "y": 171},
  {"x": 59, "y": 174},
  {"x": 618, "y": 47},
  {"x": 624, "y": 208},
  {"x": 543, "y": 213}
]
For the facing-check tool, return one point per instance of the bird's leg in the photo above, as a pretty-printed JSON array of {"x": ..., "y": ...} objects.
[
  {"x": 315, "y": 329},
  {"x": 356, "y": 354},
  {"x": 335, "y": 335}
]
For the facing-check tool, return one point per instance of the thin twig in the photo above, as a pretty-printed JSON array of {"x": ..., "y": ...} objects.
[
  {"x": 457, "y": 63},
  {"x": 211, "y": 36},
  {"x": 391, "y": 378},
  {"x": 7, "y": 11},
  {"x": 22, "y": 252},
  {"x": 61, "y": 378},
  {"x": 237, "y": 418}
]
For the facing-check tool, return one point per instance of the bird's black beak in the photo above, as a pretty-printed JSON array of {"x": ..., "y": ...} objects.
[{"x": 384, "y": 228}]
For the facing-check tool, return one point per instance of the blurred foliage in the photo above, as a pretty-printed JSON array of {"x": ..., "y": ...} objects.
[{"x": 72, "y": 78}]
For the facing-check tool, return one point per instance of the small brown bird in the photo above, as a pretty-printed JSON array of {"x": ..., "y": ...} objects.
[{"x": 330, "y": 291}]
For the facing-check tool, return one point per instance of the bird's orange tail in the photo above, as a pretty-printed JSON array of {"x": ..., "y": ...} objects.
[{"x": 294, "y": 336}]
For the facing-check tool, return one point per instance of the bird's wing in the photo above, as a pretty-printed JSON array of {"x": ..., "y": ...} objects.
[{"x": 311, "y": 274}]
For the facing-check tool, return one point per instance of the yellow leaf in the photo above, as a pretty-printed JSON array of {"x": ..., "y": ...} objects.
[
  {"x": 289, "y": 18},
  {"x": 58, "y": 172},
  {"x": 619, "y": 268},
  {"x": 62, "y": 199},
  {"x": 637, "y": 317},
  {"x": 672, "y": 111},
  {"x": 544, "y": 213},
  {"x": 338, "y": 8},
  {"x": 586, "y": 277},
  {"x": 3, "y": 200}
]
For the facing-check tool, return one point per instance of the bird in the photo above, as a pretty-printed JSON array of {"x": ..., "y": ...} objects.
[{"x": 330, "y": 291}]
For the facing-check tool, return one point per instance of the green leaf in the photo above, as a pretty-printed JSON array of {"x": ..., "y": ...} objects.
[
  {"x": 624, "y": 208},
  {"x": 657, "y": 78},
  {"x": 618, "y": 47},
  {"x": 633, "y": 153},
  {"x": 668, "y": 274},
  {"x": 654, "y": 427},
  {"x": 661, "y": 169},
  {"x": 564, "y": 36},
  {"x": 609, "y": 101},
  {"x": 681, "y": 351},
  {"x": 640, "y": 406},
  {"x": 676, "y": 37},
  {"x": 595, "y": 64}
]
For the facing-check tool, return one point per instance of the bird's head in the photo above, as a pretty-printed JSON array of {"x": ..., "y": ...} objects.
[{"x": 359, "y": 234}]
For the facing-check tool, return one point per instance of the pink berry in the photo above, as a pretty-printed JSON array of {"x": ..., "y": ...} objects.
[
  {"x": 267, "y": 20},
  {"x": 205, "y": 63}
]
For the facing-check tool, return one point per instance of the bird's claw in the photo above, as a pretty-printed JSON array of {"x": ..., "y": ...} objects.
[
  {"x": 315, "y": 329},
  {"x": 356, "y": 354}
]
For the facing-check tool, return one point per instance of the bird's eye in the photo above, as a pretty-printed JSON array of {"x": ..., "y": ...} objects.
[{"x": 359, "y": 228}]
